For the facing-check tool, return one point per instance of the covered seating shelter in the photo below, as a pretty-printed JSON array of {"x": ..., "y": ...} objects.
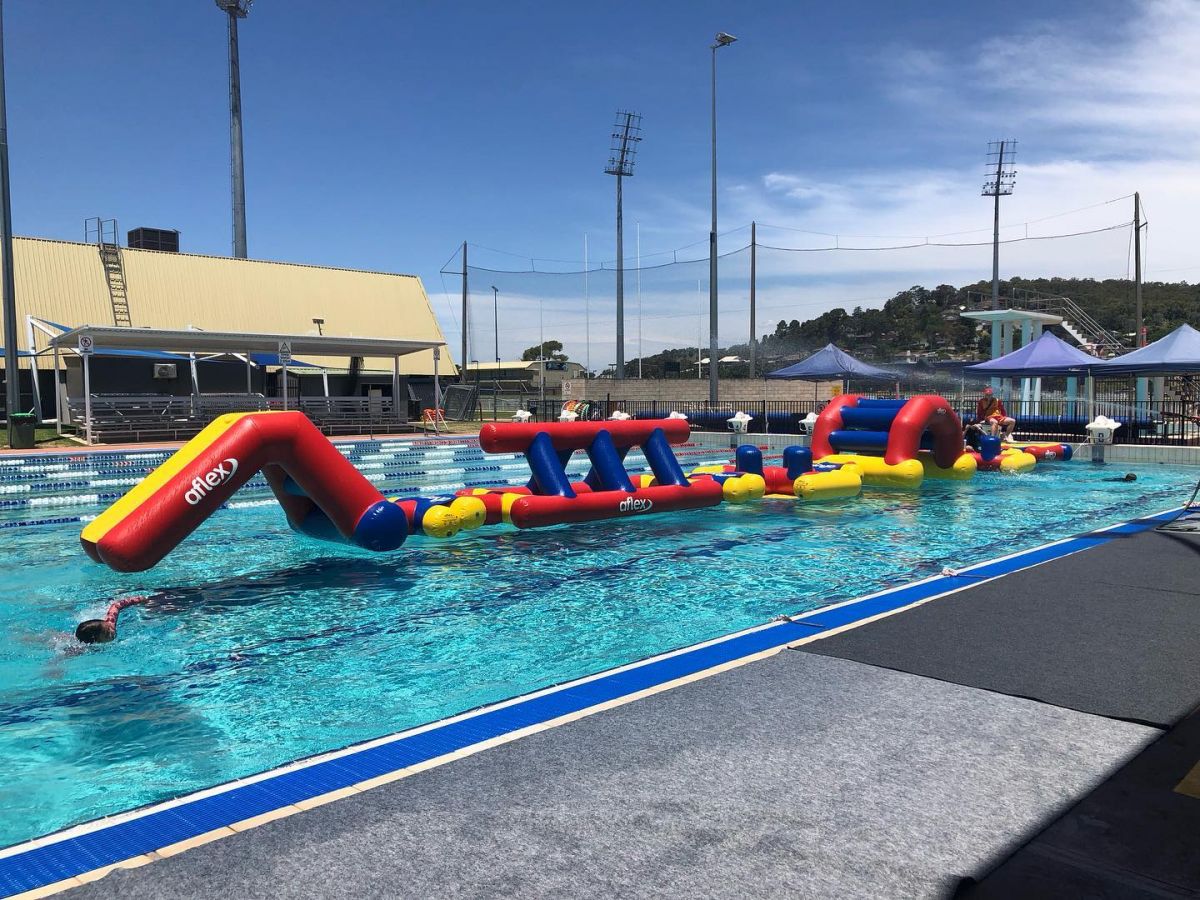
[{"x": 89, "y": 339}]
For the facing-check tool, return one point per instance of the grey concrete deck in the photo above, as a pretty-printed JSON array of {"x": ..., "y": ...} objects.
[
  {"x": 807, "y": 774},
  {"x": 796, "y": 776}
]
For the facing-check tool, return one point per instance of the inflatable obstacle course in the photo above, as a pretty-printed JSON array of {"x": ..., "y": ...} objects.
[
  {"x": 323, "y": 496},
  {"x": 857, "y": 441}
]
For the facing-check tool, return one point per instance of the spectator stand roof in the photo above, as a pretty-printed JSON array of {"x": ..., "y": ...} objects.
[{"x": 107, "y": 337}]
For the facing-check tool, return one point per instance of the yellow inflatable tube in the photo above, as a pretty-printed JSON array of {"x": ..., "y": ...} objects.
[
  {"x": 1016, "y": 461},
  {"x": 741, "y": 488},
  {"x": 962, "y": 470},
  {"x": 836, "y": 485},
  {"x": 875, "y": 472}
]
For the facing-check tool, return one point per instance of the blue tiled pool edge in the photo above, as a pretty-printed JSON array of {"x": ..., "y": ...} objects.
[{"x": 82, "y": 849}]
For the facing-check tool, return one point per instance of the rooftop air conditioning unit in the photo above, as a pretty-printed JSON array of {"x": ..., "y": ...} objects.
[{"x": 164, "y": 371}]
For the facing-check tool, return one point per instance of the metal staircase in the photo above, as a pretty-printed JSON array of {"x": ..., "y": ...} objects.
[
  {"x": 104, "y": 233},
  {"x": 1083, "y": 329}
]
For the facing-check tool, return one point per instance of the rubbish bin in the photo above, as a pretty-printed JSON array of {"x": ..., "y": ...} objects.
[{"x": 21, "y": 426}]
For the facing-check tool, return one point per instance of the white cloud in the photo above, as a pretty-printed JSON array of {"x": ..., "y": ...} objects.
[{"x": 1099, "y": 115}]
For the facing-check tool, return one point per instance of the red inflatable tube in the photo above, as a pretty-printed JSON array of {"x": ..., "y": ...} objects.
[
  {"x": 1043, "y": 451},
  {"x": 828, "y": 422},
  {"x": 777, "y": 480},
  {"x": 142, "y": 527},
  {"x": 536, "y": 512},
  {"x": 921, "y": 413},
  {"x": 515, "y": 437}
]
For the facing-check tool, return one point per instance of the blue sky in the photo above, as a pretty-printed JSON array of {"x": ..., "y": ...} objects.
[{"x": 381, "y": 135}]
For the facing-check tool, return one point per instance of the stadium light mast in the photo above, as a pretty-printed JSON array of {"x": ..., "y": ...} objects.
[
  {"x": 12, "y": 370},
  {"x": 627, "y": 134},
  {"x": 722, "y": 40},
  {"x": 1003, "y": 177},
  {"x": 236, "y": 9}
]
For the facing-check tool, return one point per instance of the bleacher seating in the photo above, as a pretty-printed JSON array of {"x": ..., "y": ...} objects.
[{"x": 120, "y": 418}]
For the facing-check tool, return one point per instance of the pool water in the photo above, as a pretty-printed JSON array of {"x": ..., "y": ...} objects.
[{"x": 261, "y": 647}]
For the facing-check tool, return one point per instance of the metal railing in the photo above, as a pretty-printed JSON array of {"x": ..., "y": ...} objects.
[
  {"x": 1103, "y": 342},
  {"x": 1173, "y": 420}
]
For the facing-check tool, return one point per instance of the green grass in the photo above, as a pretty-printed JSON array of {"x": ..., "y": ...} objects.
[{"x": 44, "y": 437}]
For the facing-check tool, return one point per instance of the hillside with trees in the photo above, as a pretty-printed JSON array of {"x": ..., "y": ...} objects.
[{"x": 927, "y": 321}]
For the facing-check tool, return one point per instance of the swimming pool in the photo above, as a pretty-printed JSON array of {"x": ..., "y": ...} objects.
[{"x": 262, "y": 647}]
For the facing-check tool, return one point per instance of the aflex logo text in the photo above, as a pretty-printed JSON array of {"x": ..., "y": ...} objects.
[
  {"x": 202, "y": 485},
  {"x": 636, "y": 504}
]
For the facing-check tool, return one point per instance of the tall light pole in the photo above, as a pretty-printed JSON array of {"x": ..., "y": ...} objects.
[
  {"x": 236, "y": 9},
  {"x": 541, "y": 357},
  {"x": 496, "y": 328},
  {"x": 627, "y": 134},
  {"x": 1002, "y": 178},
  {"x": 722, "y": 40},
  {"x": 12, "y": 371}
]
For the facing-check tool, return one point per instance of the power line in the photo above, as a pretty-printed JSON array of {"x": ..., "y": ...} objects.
[
  {"x": 1017, "y": 240},
  {"x": 603, "y": 267}
]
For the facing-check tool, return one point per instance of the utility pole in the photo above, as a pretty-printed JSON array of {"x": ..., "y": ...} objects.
[
  {"x": 639, "y": 296},
  {"x": 236, "y": 9},
  {"x": 627, "y": 134},
  {"x": 1139, "y": 338},
  {"x": 12, "y": 367},
  {"x": 496, "y": 379},
  {"x": 463, "y": 372},
  {"x": 753, "y": 265},
  {"x": 722, "y": 40}
]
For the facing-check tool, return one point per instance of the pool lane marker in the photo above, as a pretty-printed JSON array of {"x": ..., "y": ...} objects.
[{"x": 90, "y": 851}]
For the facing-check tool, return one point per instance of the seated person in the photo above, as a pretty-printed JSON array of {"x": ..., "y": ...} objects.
[
  {"x": 971, "y": 435},
  {"x": 990, "y": 411}
]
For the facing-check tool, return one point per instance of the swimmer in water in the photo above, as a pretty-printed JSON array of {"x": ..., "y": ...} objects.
[
  {"x": 102, "y": 631},
  {"x": 1128, "y": 476}
]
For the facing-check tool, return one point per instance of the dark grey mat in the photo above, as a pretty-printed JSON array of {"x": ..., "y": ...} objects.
[
  {"x": 1096, "y": 631},
  {"x": 798, "y": 776},
  {"x": 1133, "y": 836}
]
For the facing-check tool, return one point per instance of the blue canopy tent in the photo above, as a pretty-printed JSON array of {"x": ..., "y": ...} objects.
[
  {"x": 1176, "y": 354},
  {"x": 1051, "y": 355},
  {"x": 1048, "y": 355},
  {"x": 828, "y": 363}
]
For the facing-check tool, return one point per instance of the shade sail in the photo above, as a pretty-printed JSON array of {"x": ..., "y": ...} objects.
[
  {"x": 1178, "y": 352},
  {"x": 1048, "y": 355},
  {"x": 831, "y": 362}
]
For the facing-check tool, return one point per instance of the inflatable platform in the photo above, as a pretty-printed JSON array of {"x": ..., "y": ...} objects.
[
  {"x": 608, "y": 491},
  {"x": 893, "y": 443}
]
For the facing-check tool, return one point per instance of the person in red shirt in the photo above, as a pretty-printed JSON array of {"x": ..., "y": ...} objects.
[{"x": 990, "y": 411}]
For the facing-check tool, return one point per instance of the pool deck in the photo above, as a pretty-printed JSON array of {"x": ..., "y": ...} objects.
[{"x": 1026, "y": 735}]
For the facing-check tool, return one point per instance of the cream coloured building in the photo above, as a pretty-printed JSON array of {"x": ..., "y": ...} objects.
[{"x": 67, "y": 283}]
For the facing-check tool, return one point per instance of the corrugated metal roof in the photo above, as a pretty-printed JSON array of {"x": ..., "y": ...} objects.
[{"x": 65, "y": 282}]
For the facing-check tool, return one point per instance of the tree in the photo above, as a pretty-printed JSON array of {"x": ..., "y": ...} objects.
[{"x": 551, "y": 350}]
